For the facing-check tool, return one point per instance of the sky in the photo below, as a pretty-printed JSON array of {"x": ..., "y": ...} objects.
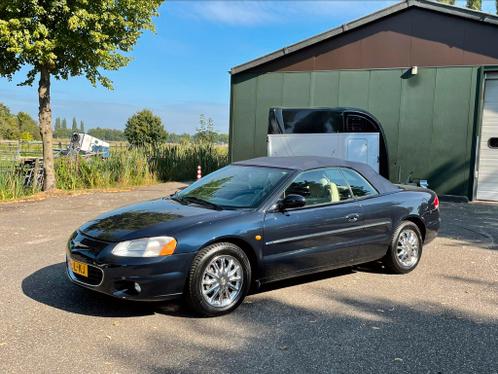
[{"x": 181, "y": 71}]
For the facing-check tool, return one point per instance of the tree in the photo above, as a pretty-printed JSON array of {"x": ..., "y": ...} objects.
[
  {"x": 451, "y": 2},
  {"x": 474, "y": 4},
  {"x": 64, "y": 124},
  {"x": 82, "y": 127},
  {"x": 62, "y": 39},
  {"x": 8, "y": 126},
  {"x": 205, "y": 132},
  {"x": 74, "y": 126},
  {"x": 107, "y": 134},
  {"x": 179, "y": 138},
  {"x": 27, "y": 127},
  {"x": 144, "y": 129},
  {"x": 57, "y": 124}
]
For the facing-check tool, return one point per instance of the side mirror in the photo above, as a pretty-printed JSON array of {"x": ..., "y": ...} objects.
[{"x": 292, "y": 201}]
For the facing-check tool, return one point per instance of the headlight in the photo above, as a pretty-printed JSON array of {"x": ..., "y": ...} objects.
[{"x": 147, "y": 247}]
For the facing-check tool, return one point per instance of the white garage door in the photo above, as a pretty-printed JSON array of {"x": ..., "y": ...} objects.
[{"x": 487, "y": 183}]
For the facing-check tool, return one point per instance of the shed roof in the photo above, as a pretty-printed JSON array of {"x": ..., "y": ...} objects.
[{"x": 396, "y": 8}]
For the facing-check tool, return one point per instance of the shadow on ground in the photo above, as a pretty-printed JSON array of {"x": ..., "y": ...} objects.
[
  {"x": 359, "y": 335},
  {"x": 476, "y": 224},
  {"x": 50, "y": 286}
]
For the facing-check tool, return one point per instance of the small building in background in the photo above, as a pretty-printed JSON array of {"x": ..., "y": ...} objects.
[{"x": 427, "y": 71}]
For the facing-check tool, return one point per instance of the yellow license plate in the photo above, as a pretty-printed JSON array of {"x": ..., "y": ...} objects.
[{"x": 79, "y": 268}]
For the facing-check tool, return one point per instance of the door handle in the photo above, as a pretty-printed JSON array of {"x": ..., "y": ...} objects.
[{"x": 352, "y": 217}]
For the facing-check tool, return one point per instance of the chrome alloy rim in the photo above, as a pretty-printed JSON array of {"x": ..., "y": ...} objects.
[
  {"x": 222, "y": 281},
  {"x": 408, "y": 248}
]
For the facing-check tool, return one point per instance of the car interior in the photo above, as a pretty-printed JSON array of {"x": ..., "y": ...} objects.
[{"x": 320, "y": 187}]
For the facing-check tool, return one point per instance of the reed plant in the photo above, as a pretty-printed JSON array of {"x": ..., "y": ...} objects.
[
  {"x": 124, "y": 167},
  {"x": 12, "y": 185},
  {"x": 179, "y": 161}
]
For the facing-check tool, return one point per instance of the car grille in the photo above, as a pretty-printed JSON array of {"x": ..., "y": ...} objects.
[
  {"x": 94, "y": 278},
  {"x": 85, "y": 245}
]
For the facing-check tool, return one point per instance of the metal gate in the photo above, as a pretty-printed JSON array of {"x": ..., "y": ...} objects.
[{"x": 487, "y": 182}]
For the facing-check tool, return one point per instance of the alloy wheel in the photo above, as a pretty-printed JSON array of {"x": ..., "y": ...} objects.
[
  {"x": 408, "y": 248},
  {"x": 222, "y": 281}
]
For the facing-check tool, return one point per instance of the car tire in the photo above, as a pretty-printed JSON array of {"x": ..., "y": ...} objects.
[
  {"x": 220, "y": 264},
  {"x": 401, "y": 257}
]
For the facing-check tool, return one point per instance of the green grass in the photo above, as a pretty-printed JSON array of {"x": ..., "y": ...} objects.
[
  {"x": 12, "y": 183},
  {"x": 124, "y": 168}
]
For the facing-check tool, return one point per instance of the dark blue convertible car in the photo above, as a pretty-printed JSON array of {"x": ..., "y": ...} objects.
[{"x": 250, "y": 223}]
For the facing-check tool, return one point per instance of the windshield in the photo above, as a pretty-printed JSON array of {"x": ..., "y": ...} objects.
[{"x": 234, "y": 186}]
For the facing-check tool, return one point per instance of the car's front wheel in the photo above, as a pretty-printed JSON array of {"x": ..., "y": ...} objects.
[
  {"x": 405, "y": 250},
  {"x": 219, "y": 279}
]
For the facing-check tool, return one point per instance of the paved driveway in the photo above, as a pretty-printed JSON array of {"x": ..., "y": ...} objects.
[{"x": 443, "y": 317}]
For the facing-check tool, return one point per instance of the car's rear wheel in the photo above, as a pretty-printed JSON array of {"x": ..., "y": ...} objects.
[
  {"x": 405, "y": 250},
  {"x": 219, "y": 279}
]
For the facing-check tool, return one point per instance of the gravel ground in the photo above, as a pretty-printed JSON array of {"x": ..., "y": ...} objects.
[{"x": 441, "y": 318}]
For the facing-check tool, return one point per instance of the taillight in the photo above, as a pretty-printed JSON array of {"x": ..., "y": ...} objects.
[{"x": 435, "y": 203}]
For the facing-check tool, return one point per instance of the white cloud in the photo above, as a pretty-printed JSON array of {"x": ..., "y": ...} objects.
[
  {"x": 233, "y": 12},
  {"x": 255, "y": 13}
]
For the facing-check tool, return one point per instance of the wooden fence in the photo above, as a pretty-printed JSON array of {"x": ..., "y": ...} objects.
[{"x": 15, "y": 150}]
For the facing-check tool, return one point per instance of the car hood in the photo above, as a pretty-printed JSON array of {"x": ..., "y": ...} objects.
[{"x": 151, "y": 218}]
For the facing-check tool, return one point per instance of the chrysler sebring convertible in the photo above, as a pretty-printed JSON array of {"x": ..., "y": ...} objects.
[{"x": 250, "y": 223}]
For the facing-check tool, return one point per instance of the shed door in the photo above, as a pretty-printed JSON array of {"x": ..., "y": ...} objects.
[{"x": 487, "y": 183}]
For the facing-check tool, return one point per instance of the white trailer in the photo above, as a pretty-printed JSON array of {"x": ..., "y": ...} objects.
[
  {"x": 359, "y": 147},
  {"x": 87, "y": 144}
]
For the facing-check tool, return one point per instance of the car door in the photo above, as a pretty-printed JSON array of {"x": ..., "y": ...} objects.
[
  {"x": 376, "y": 218},
  {"x": 318, "y": 235}
]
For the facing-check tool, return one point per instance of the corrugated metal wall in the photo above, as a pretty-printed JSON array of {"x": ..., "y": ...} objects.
[{"x": 427, "y": 119}]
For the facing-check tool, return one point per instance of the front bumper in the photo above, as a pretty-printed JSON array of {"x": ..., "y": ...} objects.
[{"x": 141, "y": 279}]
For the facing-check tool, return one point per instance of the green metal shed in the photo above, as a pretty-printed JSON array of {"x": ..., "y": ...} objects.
[{"x": 431, "y": 119}]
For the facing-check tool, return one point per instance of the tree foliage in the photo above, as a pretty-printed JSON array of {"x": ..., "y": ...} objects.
[
  {"x": 8, "y": 125},
  {"x": 65, "y": 38},
  {"x": 451, "y": 2},
  {"x": 17, "y": 127},
  {"x": 144, "y": 129},
  {"x": 71, "y": 38},
  {"x": 474, "y": 4},
  {"x": 107, "y": 134},
  {"x": 74, "y": 126},
  {"x": 28, "y": 127},
  {"x": 205, "y": 133}
]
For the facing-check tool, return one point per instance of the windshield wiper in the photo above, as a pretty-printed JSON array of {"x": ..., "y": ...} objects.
[
  {"x": 175, "y": 197},
  {"x": 196, "y": 200}
]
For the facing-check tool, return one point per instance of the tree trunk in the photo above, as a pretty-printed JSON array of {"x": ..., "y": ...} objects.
[{"x": 45, "y": 118}]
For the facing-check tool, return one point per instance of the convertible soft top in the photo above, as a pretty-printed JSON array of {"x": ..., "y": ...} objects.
[{"x": 381, "y": 184}]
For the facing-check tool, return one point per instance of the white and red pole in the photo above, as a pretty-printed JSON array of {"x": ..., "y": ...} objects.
[{"x": 199, "y": 172}]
